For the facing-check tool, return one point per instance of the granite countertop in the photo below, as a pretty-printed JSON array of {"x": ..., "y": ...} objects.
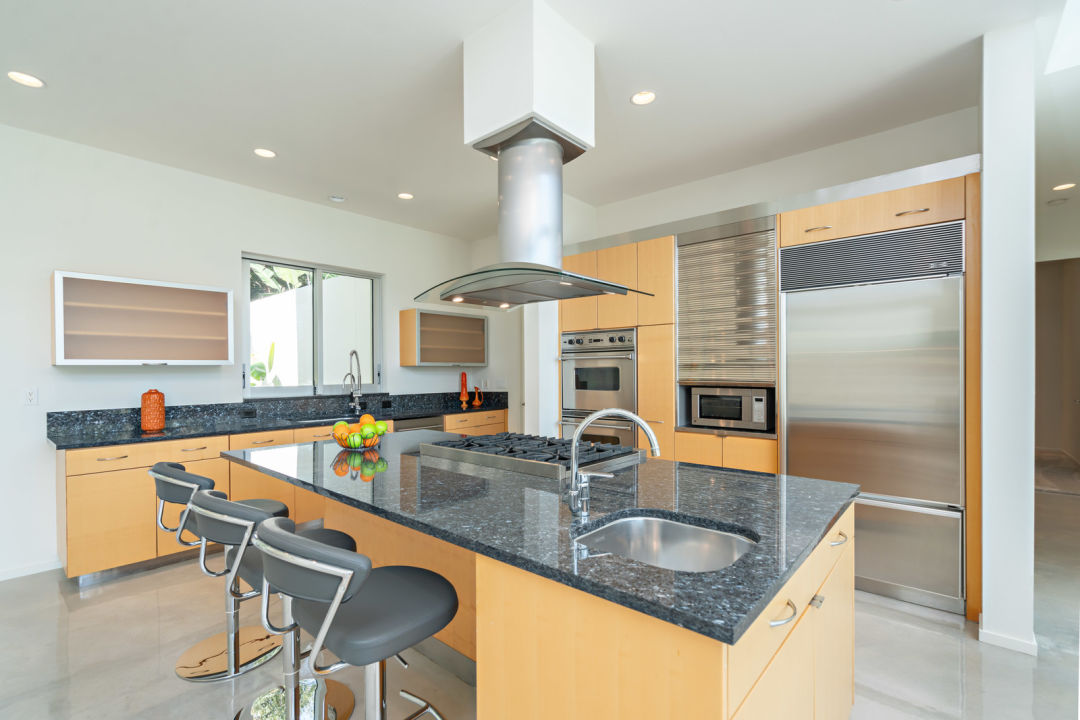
[
  {"x": 523, "y": 521},
  {"x": 97, "y": 435}
]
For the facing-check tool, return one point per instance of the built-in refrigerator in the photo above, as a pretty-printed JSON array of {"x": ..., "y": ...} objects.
[{"x": 871, "y": 388}]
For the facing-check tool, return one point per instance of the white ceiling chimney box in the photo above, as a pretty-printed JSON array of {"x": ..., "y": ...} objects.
[{"x": 529, "y": 62}]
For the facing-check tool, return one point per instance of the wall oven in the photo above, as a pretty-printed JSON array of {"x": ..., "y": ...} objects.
[
  {"x": 733, "y": 408},
  {"x": 599, "y": 370}
]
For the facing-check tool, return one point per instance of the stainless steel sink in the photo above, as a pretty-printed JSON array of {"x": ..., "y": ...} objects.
[{"x": 667, "y": 543}]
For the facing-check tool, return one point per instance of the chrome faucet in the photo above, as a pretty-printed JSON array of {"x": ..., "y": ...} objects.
[
  {"x": 578, "y": 498},
  {"x": 351, "y": 381}
]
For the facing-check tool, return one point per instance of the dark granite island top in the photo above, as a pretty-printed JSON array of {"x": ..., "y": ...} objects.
[{"x": 522, "y": 520}]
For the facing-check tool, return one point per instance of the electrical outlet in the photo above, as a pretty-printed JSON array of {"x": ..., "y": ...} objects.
[{"x": 30, "y": 396}]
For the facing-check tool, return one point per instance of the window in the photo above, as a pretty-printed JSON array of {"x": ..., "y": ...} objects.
[{"x": 303, "y": 322}]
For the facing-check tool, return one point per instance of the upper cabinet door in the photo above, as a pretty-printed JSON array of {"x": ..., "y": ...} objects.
[
  {"x": 619, "y": 265},
  {"x": 656, "y": 275},
  {"x": 579, "y": 313},
  {"x": 907, "y": 207}
]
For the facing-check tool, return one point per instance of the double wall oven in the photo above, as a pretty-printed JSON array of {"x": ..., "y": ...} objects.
[{"x": 599, "y": 370}]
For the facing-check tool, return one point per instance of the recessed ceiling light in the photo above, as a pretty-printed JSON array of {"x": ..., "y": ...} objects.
[
  {"x": 337, "y": 198},
  {"x": 504, "y": 305},
  {"x": 1057, "y": 201},
  {"x": 264, "y": 153},
  {"x": 457, "y": 298},
  {"x": 1065, "y": 186},
  {"x": 643, "y": 97},
  {"x": 26, "y": 79},
  {"x": 409, "y": 196}
]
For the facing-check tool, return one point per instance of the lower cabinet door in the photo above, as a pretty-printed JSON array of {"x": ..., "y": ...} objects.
[
  {"x": 218, "y": 471},
  {"x": 247, "y": 484},
  {"x": 785, "y": 691},
  {"x": 834, "y": 648},
  {"x": 110, "y": 520}
]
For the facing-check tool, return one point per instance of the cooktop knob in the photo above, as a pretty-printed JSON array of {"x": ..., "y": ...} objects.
[
  {"x": 579, "y": 341},
  {"x": 622, "y": 338},
  {"x": 611, "y": 339}
]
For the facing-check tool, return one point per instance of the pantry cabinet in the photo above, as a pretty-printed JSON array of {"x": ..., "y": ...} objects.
[
  {"x": 618, "y": 265},
  {"x": 656, "y": 385},
  {"x": 579, "y": 313},
  {"x": 656, "y": 275}
]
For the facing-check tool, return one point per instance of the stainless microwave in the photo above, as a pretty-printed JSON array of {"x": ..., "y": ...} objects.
[{"x": 733, "y": 408}]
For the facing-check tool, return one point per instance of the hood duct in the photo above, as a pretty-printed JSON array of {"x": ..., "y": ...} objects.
[{"x": 531, "y": 157}]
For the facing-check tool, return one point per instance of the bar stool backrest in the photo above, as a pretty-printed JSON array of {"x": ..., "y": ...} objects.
[
  {"x": 308, "y": 569},
  {"x": 218, "y": 520},
  {"x": 175, "y": 485}
]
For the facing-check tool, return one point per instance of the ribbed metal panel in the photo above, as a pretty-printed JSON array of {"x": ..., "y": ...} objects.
[
  {"x": 727, "y": 309},
  {"x": 895, "y": 255}
]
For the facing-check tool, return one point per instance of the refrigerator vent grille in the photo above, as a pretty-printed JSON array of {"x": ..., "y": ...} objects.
[
  {"x": 895, "y": 255},
  {"x": 727, "y": 309}
]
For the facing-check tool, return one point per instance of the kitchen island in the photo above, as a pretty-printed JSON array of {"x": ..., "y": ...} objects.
[{"x": 560, "y": 632}]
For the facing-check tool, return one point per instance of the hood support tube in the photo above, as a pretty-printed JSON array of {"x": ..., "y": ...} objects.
[{"x": 530, "y": 202}]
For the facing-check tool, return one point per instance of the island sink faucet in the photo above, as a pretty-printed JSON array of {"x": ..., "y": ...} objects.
[
  {"x": 351, "y": 381},
  {"x": 578, "y": 498}
]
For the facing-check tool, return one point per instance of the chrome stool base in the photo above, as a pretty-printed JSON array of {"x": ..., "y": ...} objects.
[
  {"x": 208, "y": 661},
  {"x": 375, "y": 694},
  {"x": 319, "y": 700}
]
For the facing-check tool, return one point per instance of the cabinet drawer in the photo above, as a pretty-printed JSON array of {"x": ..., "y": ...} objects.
[
  {"x": 746, "y": 453},
  {"x": 700, "y": 448},
  {"x": 141, "y": 455},
  {"x": 749, "y": 656},
  {"x": 473, "y": 419},
  {"x": 484, "y": 429},
  {"x": 906, "y": 207},
  {"x": 247, "y": 441},
  {"x": 312, "y": 434}
]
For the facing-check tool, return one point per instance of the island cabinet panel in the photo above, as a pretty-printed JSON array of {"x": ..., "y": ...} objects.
[
  {"x": 656, "y": 385},
  {"x": 834, "y": 663},
  {"x": 618, "y": 265},
  {"x": 786, "y": 688},
  {"x": 579, "y": 313},
  {"x": 246, "y": 483},
  {"x": 907, "y": 207},
  {"x": 699, "y": 448},
  {"x": 747, "y": 453},
  {"x": 218, "y": 471},
  {"x": 656, "y": 275},
  {"x": 545, "y": 650},
  {"x": 110, "y": 520},
  {"x": 388, "y": 543},
  {"x": 307, "y": 505}
]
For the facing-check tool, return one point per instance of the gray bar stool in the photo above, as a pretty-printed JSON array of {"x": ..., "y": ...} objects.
[
  {"x": 238, "y": 649},
  {"x": 363, "y": 615},
  {"x": 233, "y": 525}
]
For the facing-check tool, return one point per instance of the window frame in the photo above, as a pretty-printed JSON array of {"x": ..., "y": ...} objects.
[{"x": 318, "y": 387}]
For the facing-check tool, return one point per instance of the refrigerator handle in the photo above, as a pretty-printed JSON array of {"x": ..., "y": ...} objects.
[{"x": 922, "y": 509}]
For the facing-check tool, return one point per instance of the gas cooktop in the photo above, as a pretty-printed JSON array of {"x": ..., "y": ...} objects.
[{"x": 532, "y": 454}]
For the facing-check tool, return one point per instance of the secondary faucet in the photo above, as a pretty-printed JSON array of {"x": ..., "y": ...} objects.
[
  {"x": 578, "y": 498},
  {"x": 351, "y": 381}
]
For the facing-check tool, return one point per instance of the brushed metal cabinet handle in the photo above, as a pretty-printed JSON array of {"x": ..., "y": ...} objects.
[
  {"x": 262, "y": 442},
  {"x": 837, "y": 543},
  {"x": 789, "y": 618},
  {"x": 912, "y": 212},
  {"x": 819, "y": 227},
  {"x": 192, "y": 449},
  {"x": 118, "y": 457},
  {"x": 323, "y": 435}
]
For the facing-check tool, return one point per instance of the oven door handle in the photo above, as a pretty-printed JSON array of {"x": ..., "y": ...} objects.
[
  {"x": 627, "y": 426},
  {"x": 597, "y": 356}
]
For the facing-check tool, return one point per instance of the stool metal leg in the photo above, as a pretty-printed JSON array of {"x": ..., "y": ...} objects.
[
  {"x": 231, "y": 653},
  {"x": 425, "y": 706},
  {"x": 375, "y": 691}
]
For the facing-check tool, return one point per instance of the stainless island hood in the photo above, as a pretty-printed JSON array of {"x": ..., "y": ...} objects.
[{"x": 531, "y": 155}]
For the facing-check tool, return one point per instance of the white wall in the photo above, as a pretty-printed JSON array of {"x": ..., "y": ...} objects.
[
  {"x": 1008, "y": 337},
  {"x": 71, "y": 207},
  {"x": 939, "y": 138},
  {"x": 1059, "y": 232}
]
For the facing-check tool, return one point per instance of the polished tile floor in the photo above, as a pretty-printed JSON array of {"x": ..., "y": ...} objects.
[{"x": 107, "y": 651}]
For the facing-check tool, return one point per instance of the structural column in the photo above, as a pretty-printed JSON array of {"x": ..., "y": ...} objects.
[{"x": 1008, "y": 337}]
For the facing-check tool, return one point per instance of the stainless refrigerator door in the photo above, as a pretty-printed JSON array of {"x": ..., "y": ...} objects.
[
  {"x": 910, "y": 552},
  {"x": 873, "y": 387}
]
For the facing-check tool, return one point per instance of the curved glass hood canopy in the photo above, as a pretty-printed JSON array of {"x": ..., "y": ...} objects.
[{"x": 506, "y": 285}]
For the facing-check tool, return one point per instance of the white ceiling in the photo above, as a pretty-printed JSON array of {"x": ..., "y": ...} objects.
[{"x": 364, "y": 100}]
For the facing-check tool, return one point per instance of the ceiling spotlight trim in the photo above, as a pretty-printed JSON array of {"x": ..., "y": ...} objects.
[
  {"x": 265, "y": 153},
  {"x": 643, "y": 97},
  {"x": 405, "y": 196},
  {"x": 26, "y": 79},
  {"x": 1064, "y": 186}
]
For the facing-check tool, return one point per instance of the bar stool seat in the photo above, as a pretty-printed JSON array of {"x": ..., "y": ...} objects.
[
  {"x": 397, "y": 607},
  {"x": 273, "y": 508}
]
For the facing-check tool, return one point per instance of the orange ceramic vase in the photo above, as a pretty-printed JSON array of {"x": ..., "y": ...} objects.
[{"x": 153, "y": 411}]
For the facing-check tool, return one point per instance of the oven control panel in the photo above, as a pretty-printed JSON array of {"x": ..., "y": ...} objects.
[{"x": 599, "y": 340}]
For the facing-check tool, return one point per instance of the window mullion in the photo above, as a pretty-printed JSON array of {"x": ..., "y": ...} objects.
[{"x": 316, "y": 330}]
